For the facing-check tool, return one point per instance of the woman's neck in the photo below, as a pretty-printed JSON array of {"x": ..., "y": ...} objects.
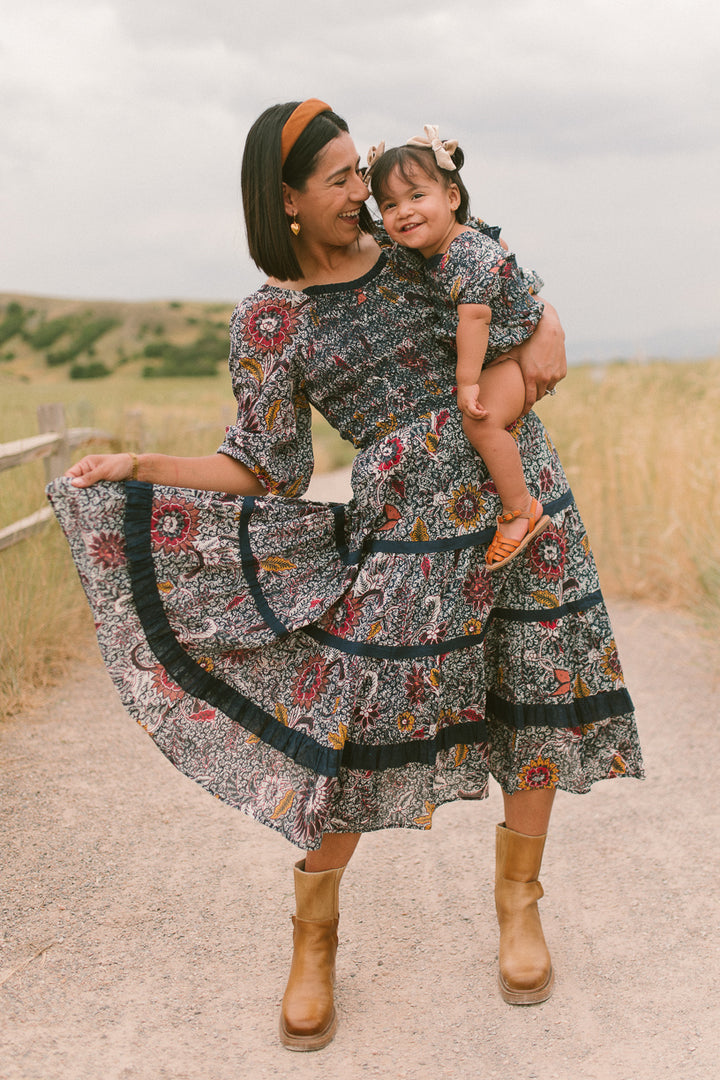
[{"x": 324, "y": 265}]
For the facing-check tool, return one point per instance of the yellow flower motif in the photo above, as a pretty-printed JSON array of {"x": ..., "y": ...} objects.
[
  {"x": 165, "y": 586},
  {"x": 253, "y": 366},
  {"x": 281, "y": 713},
  {"x": 419, "y": 531},
  {"x": 466, "y": 506},
  {"x": 283, "y": 806},
  {"x": 610, "y": 662},
  {"x": 337, "y": 738},
  {"x": 461, "y": 752},
  {"x": 384, "y": 427},
  {"x": 618, "y": 766},
  {"x": 540, "y": 773},
  {"x": 272, "y": 413},
  {"x": 406, "y": 721},
  {"x": 276, "y": 565},
  {"x": 545, "y": 598},
  {"x": 447, "y": 717},
  {"x": 580, "y": 688},
  {"x": 473, "y": 626},
  {"x": 434, "y": 676},
  {"x": 455, "y": 289},
  {"x": 206, "y": 663},
  {"x": 425, "y": 820}
]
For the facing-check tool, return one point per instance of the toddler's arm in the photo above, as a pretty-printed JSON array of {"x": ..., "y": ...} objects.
[{"x": 472, "y": 341}]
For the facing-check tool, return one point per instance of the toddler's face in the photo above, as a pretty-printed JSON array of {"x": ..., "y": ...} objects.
[{"x": 419, "y": 212}]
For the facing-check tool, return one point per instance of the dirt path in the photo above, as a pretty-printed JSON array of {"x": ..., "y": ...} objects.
[{"x": 145, "y": 931}]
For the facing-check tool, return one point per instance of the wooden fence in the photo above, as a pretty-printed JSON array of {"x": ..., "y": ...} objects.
[{"x": 55, "y": 443}]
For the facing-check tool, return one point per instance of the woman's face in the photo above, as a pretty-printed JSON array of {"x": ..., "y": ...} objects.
[{"x": 328, "y": 209}]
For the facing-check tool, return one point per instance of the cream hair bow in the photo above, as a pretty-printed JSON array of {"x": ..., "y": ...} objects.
[
  {"x": 373, "y": 154},
  {"x": 443, "y": 149}
]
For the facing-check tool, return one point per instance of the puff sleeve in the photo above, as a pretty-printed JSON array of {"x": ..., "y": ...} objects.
[
  {"x": 477, "y": 270},
  {"x": 271, "y": 435}
]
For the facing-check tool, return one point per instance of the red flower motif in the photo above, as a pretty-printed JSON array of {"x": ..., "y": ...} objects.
[
  {"x": 247, "y": 418},
  {"x": 433, "y": 632},
  {"x": 203, "y": 716},
  {"x": 477, "y": 589},
  {"x": 408, "y": 355},
  {"x": 346, "y": 616},
  {"x": 269, "y": 325},
  {"x": 540, "y": 773},
  {"x": 173, "y": 526},
  {"x": 466, "y": 506},
  {"x": 390, "y": 454},
  {"x": 415, "y": 687},
  {"x": 545, "y": 479},
  {"x": 547, "y": 554},
  {"x": 311, "y": 681},
  {"x": 563, "y": 680},
  {"x": 107, "y": 550},
  {"x": 366, "y": 714},
  {"x": 164, "y": 685}
]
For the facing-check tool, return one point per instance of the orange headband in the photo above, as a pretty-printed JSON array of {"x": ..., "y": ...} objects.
[{"x": 296, "y": 123}]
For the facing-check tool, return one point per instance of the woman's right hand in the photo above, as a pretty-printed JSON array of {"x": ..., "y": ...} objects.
[
  {"x": 89, "y": 470},
  {"x": 542, "y": 357}
]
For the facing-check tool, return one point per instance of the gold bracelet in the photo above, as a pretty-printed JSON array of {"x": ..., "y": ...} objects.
[{"x": 134, "y": 473}]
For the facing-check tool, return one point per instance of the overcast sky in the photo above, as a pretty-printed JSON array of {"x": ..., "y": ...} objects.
[{"x": 591, "y": 133}]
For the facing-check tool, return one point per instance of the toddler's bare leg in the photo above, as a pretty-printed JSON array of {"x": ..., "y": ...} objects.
[{"x": 502, "y": 393}]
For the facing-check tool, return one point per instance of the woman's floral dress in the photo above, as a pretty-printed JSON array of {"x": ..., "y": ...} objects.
[{"x": 330, "y": 667}]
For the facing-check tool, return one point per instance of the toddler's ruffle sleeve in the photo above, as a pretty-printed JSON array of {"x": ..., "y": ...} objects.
[{"x": 271, "y": 435}]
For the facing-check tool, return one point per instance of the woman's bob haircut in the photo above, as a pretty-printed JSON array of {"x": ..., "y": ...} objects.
[{"x": 267, "y": 224}]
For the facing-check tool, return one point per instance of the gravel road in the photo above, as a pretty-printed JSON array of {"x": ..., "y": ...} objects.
[{"x": 146, "y": 929}]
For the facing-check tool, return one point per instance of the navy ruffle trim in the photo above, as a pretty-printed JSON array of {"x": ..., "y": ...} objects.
[{"x": 296, "y": 745}]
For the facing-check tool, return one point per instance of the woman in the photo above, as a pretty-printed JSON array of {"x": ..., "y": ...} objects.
[{"x": 332, "y": 670}]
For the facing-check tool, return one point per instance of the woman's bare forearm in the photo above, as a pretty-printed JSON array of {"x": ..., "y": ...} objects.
[{"x": 214, "y": 472}]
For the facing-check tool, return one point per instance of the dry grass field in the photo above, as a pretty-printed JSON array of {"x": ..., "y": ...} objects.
[{"x": 640, "y": 442}]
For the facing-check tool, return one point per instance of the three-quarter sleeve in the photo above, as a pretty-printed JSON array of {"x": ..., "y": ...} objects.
[{"x": 271, "y": 435}]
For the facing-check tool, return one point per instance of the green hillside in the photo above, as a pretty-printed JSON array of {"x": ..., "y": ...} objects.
[{"x": 48, "y": 339}]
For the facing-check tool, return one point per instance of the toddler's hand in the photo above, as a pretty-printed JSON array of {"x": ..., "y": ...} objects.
[{"x": 469, "y": 404}]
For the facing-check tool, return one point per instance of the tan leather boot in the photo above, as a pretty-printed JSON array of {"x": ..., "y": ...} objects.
[
  {"x": 526, "y": 974},
  {"x": 308, "y": 1020}
]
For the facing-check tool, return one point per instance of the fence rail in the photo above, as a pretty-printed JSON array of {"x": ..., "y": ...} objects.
[{"x": 55, "y": 444}]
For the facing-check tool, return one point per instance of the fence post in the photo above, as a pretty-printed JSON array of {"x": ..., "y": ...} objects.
[
  {"x": 51, "y": 417},
  {"x": 134, "y": 430}
]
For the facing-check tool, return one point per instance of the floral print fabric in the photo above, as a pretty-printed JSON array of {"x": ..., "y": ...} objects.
[
  {"x": 475, "y": 269},
  {"x": 348, "y": 668}
]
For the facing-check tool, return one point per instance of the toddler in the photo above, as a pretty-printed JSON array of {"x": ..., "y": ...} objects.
[{"x": 424, "y": 206}]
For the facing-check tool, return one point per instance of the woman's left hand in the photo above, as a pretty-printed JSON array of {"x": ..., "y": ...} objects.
[{"x": 95, "y": 467}]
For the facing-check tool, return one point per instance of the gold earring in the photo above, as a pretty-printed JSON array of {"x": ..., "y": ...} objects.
[{"x": 295, "y": 224}]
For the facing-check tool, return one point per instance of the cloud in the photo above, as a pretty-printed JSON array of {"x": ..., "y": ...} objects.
[{"x": 589, "y": 130}]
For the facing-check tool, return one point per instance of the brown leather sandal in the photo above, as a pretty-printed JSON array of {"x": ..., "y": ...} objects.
[{"x": 503, "y": 548}]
